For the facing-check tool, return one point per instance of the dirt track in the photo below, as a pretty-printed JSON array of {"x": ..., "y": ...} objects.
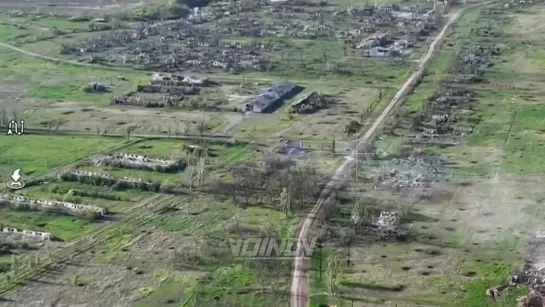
[{"x": 300, "y": 279}]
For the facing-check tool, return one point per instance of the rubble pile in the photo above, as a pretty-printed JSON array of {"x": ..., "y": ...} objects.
[
  {"x": 520, "y": 3},
  {"x": 164, "y": 90},
  {"x": 386, "y": 226},
  {"x": 196, "y": 43},
  {"x": 437, "y": 122},
  {"x": 288, "y": 147},
  {"x": 384, "y": 45},
  {"x": 123, "y": 160},
  {"x": 470, "y": 63},
  {"x": 174, "y": 45},
  {"x": 179, "y": 80},
  {"x": 410, "y": 172},
  {"x": 442, "y": 120},
  {"x": 534, "y": 279},
  {"x": 312, "y": 103}
]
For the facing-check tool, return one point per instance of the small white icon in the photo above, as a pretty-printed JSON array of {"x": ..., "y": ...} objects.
[
  {"x": 13, "y": 127},
  {"x": 15, "y": 183}
]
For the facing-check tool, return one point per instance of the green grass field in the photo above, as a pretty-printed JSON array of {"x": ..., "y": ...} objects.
[
  {"x": 35, "y": 154},
  {"x": 63, "y": 227},
  {"x": 60, "y": 82}
]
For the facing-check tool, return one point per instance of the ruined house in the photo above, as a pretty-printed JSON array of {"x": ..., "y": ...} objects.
[
  {"x": 381, "y": 46},
  {"x": 309, "y": 104},
  {"x": 171, "y": 79},
  {"x": 270, "y": 99},
  {"x": 288, "y": 147},
  {"x": 138, "y": 162},
  {"x": 96, "y": 88}
]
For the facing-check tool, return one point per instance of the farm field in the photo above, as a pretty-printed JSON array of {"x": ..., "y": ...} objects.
[{"x": 36, "y": 155}]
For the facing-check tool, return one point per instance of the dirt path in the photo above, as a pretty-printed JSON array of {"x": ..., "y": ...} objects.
[{"x": 300, "y": 287}]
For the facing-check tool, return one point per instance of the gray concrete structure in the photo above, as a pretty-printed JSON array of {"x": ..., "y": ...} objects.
[{"x": 270, "y": 99}]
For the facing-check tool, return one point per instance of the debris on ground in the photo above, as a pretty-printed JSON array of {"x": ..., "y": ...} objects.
[
  {"x": 532, "y": 275},
  {"x": 533, "y": 299},
  {"x": 411, "y": 171},
  {"x": 288, "y": 147},
  {"x": 312, "y": 103},
  {"x": 386, "y": 226}
]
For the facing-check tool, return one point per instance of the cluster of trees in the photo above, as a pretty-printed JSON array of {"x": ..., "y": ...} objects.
[
  {"x": 274, "y": 183},
  {"x": 114, "y": 183}
]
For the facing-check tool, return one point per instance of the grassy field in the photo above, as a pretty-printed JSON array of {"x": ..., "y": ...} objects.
[
  {"x": 35, "y": 154},
  {"x": 58, "y": 82}
]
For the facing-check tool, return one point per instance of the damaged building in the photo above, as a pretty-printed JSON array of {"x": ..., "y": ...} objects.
[
  {"x": 270, "y": 99},
  {"x": 163, "y": 90},
  {"x": 178, "y": 80},
  {"x": 385, "y": 45},
  {"x": 311, "y": 103},
  {"x": 133, "y": 161}
]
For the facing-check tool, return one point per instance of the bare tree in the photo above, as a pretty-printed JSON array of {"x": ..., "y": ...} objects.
[
  {"x": 3, "y": 118},
  {"x": 334, "y": 271},
  {"x": 285, "y": 201},
  {"x": 203, "y": 126},
  {"x": 129, "y": 130}
]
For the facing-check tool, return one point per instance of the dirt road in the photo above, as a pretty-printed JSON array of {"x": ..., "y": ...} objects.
[{"x": 300, "y": 279}]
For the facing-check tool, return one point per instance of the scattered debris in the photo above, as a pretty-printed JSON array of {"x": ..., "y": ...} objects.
[
  {"x": 288, "y": 147},
  {"x": 313, "y": 102},
  {"x": 412, "y": 172},
  {"x": 386, "y": 226},
  {"x": 139, "y": 162},
  {"x": 96, "y": 88}
]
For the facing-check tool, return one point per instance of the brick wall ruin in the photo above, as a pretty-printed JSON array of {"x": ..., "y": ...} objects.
[
  {"x": 46, "y": 236},
  {"x": 163, "y": 90},
  {"x": 139, "y": 162},
  {"x": 67, "y": 207}
]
